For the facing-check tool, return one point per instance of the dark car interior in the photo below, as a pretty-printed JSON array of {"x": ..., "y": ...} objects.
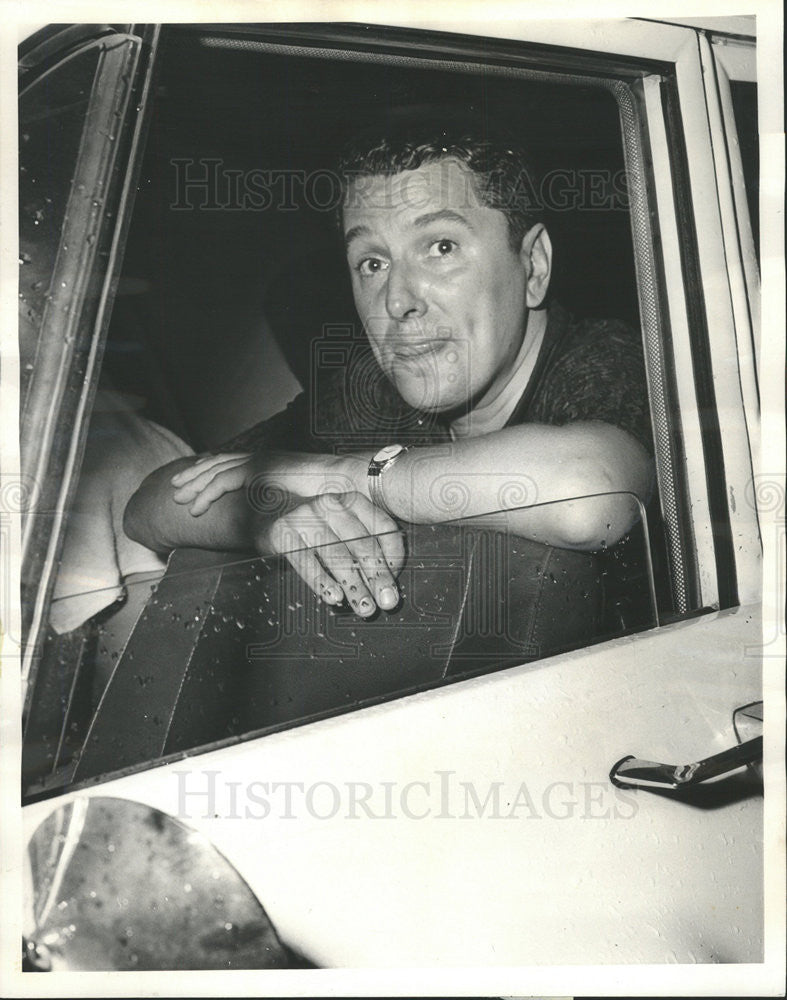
[
  {"x": 232, "y": 273},
  {"x": 203, "y": 286}
]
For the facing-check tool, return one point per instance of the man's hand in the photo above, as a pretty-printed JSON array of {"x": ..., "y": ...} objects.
[
  {"x": 341, "y": 546},
  {"x": 209, "y": 478}
]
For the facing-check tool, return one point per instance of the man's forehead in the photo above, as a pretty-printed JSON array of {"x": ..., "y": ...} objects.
[{"x": 442, "y": 184}]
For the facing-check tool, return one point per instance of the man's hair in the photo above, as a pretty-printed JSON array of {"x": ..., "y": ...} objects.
[{"x": 503, "y": 174}]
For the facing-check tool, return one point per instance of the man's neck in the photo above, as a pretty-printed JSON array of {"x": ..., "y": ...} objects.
[{"x": 493, "y": 414}]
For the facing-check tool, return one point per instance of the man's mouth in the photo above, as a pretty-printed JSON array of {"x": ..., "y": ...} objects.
[{"x": 420, "y": 348}]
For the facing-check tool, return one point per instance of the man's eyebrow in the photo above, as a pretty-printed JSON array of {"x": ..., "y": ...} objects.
[
  {"x": 443, "y": 215},
  {"x": 354, "y": 233}
]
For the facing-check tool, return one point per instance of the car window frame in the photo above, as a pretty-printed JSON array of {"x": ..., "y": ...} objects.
[
  {"x": 694, "y": 204},
  {"x": 717, "y": 534},
  {"x": 734, "y": 60},
  {"x": 55, "y": 469}
]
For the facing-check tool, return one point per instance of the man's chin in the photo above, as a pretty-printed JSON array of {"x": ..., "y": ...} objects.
[{"x": 427, "y": 395}]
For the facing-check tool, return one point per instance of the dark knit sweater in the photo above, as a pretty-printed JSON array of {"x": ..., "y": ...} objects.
[{"x": 586, "y": 370}]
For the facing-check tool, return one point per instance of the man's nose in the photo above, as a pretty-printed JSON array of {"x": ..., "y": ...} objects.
[{"x": 403, "y": 296}]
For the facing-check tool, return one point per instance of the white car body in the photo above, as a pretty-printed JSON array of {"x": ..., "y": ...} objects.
[{"x": 556, "y": 867}]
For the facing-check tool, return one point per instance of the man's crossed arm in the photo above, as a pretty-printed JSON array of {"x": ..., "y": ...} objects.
[{"x": 316, "y": 510}]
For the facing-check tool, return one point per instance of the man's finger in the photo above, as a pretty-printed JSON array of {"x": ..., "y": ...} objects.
[
  {"x": 191, "y": 490},
  {"x": 314, "y": 575},
  {"x": 345, "y": 569},
  {"x": 219, "y": 464},
  {"x": 289, "y": 539},
  {"x": 205, "y": 464},
  {"x": 385, "y": 530},
  {"x": 373, "y": 566},
  {"x": 391, "y": 542},
  {"x": 226, "y": 482},
  {"x": 310, "y": 544},
  {"x": 369, "y": 559}
]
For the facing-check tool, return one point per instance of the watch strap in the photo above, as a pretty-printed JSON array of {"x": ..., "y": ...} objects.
[{"x": 382, "y": 461}]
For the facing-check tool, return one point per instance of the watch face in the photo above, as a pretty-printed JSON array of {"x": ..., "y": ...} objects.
[{"x": 388, "y": 452}]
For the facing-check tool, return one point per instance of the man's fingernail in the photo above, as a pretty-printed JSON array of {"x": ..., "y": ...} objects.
[
  {"x": 365, "y": 605},
  {"x": 388, "y": 597}
]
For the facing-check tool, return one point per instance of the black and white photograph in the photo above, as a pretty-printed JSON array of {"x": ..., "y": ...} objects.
[{"x": 392, "y": 500}]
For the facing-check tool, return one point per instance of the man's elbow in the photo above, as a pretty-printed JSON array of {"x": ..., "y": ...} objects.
[
  {"x": 138, "y": 522},
  {"x": 604, "y": 511},
  {"x": 150, "y": 516},
  {"x": 596, "y": 522}
]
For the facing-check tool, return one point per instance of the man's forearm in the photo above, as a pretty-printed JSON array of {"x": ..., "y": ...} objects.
[
  {"x": 275, "y": 483},
  {"x": 535, "y": 472},
  {"x": 532, "y": 466},
  {"x": 153, "y": 519}
]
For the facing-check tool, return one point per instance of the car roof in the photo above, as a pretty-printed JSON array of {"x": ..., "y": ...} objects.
[{"x": 745, "y": 25}]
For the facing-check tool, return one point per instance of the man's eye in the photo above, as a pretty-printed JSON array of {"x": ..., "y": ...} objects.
[
  {"x": 371, "y": 265},
  {"x": 441, "y": 248}
]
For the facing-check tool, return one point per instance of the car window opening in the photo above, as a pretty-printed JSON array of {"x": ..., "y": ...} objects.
[{"x": 233, "y": 298}]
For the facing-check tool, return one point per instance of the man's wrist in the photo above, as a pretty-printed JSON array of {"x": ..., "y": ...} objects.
[
  {"x": 352, "y": 470},
  {"x": 379, "y": 470}
]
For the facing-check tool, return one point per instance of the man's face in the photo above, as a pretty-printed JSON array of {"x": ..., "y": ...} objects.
[{"x": 441, "y": 293}]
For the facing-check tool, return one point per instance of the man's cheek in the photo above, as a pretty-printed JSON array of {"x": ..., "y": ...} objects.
[
  {"x": 371, "y": 311},
  {"x": 374, "y": 326},
  {"x": 361, "y": 295},
  {"x": 375, "y": 337}
]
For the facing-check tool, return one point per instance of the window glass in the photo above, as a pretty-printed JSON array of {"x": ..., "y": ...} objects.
[
  {"x": 52, "y": 113},
  {"x": 73, "y": 160},
  {"x": 221, "y": 647}
]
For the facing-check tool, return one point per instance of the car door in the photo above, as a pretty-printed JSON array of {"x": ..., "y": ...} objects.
[{"x": 477, "y": 824}]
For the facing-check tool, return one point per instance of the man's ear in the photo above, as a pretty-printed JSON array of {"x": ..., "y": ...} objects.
[{"x": 536, "y": 256}]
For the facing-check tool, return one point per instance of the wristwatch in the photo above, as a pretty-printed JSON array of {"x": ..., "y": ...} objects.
[{"x": 383, "y": 460}]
